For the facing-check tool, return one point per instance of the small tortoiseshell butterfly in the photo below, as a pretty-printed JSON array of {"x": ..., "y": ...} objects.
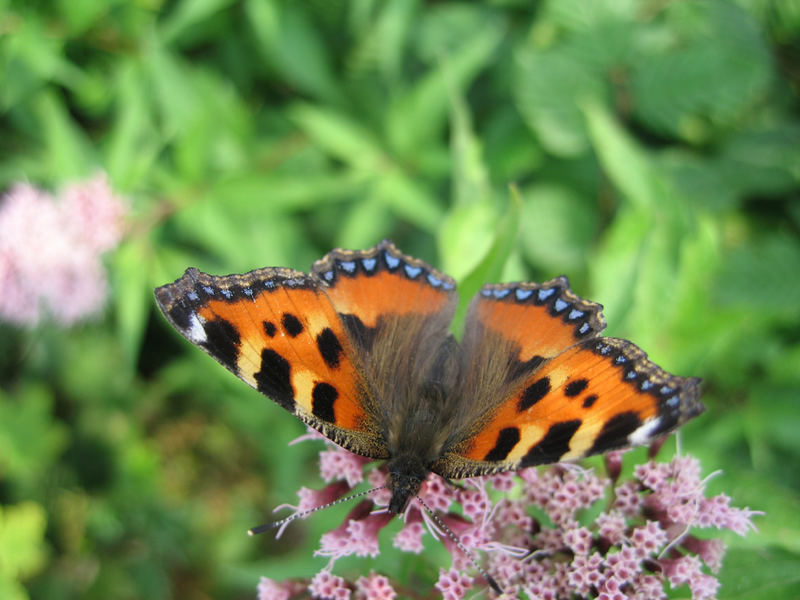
[{"x": 361, "y": 350}]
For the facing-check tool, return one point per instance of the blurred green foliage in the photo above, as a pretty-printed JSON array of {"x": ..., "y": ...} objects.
[{"x": 656, "y": 148}]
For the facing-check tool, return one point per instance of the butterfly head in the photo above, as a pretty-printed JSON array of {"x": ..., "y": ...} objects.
[{"x": 406, "y": 474}]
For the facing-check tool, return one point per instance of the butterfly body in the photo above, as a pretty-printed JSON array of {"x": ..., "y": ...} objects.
[{"x": 360, "y": 349}]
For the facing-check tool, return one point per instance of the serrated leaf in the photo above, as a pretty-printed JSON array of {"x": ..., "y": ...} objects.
[{"x": 716, "y": 68}]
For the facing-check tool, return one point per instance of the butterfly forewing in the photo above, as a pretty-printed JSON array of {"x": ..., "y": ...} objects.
[{"x": 277, "y": 331}]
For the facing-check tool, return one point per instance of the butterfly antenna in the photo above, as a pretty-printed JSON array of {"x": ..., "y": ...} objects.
[
  {"x": 489, "y": 579},
  {"x": 283, "y": 522}
]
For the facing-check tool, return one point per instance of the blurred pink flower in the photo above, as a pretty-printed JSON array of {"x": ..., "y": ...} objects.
[
  {"x": 50, "y": 251},
  {"x": 638, "y": 547}
]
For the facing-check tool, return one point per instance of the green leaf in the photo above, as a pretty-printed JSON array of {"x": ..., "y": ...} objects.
[
  {"x": 763, "y": 574},
  {"x": 282, "y": 191},
  {"x": 409, "y": 200},
  {"x": 716, "y": 68},
  {"x": 383, "y": 41},
  {"x": 132, "y": 295},
  {"x": 134, "y": 141},
  {"x": 580, "y": 16},
  {"x": 188, "y": 13},
  {"x": 549, "y": 87},
  {"x": 465, "y": 236},
  {"x": 444, "y": 28},
  {"x": 30, "y": 437},
  {"x": 289, "y": 42},
  {"x": 22, "y": 549},
  {"x": 415, "y": 118},
  {"x": 470, "y": 178},
  {"x": 494, "y": 261},
  {"x": 626, "y": 163},
  {"x": 30, "y": 59},
  {"x": 363, "y": 223},
  {"x": 615, "y": 266},
  {"x": 762, "y": 276},
  {"x": 559, "y": 226},
  {"x": 340, "y": 135},
  {"x": 66, "y": 154}
]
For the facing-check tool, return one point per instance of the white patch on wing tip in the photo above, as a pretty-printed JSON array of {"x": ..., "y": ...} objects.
[
  {"x": 642, "y": 434},
  {"x": 196, "y": 332}
]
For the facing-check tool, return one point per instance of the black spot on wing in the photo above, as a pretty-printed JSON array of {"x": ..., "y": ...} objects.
[
  {"x": 329, "y": 347},
  {"x": 274, "y": 380},
  {"x": 520, "y": 368},
  {"x": 180, "y": 315},
  {"x": 269, "y": 328},
  {"x": 223, "y": 342},
  {"x": 589, "y": 400},
  {"x": 574, "y": 388},
  {"x": 553, "y": 445},
  {"x": 533, "y": 393},
  {"x": 361, "y": 334},
  {"x": 323, "y": 397},
  {"x": 506, "y": 440},
  {"x": 615, "y": 432},
  {"x": 291, "y": 325}
]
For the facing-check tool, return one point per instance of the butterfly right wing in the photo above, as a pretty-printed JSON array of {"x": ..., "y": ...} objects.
[
  {"x": 276, "y": 330},
  {"x": 545, "y": 387}
]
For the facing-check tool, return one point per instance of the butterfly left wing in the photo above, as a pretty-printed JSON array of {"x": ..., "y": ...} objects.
[
  {"x": 276, "y": 330},
  {"x": 565, "y": 393}
]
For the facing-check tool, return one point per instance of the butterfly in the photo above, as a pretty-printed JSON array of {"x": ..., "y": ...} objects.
[{"x": 360, "y": 349}]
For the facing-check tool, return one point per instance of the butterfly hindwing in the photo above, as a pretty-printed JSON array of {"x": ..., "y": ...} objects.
[
  {"x": 398, "y": 310},
  {"x": 381, "y": 282},
  {"x": 591, "y": 395},
  {"x": 276, "y": 330}
]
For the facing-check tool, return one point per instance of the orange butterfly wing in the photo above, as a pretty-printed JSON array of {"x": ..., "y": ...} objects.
[
  {"x": 568, "y": 393},
  {"x": 381, "y": 281},
  {"x": 276, "y": 330},
  {"x": 322, "y": 345}
]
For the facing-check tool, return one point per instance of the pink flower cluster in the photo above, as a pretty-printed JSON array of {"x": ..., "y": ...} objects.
[
  {"x": 533, "y": 529},
  {"x": 50, "y": 251}
]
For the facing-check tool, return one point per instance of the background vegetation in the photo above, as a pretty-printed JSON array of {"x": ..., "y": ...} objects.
[{"x": 656, "y": 146}]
